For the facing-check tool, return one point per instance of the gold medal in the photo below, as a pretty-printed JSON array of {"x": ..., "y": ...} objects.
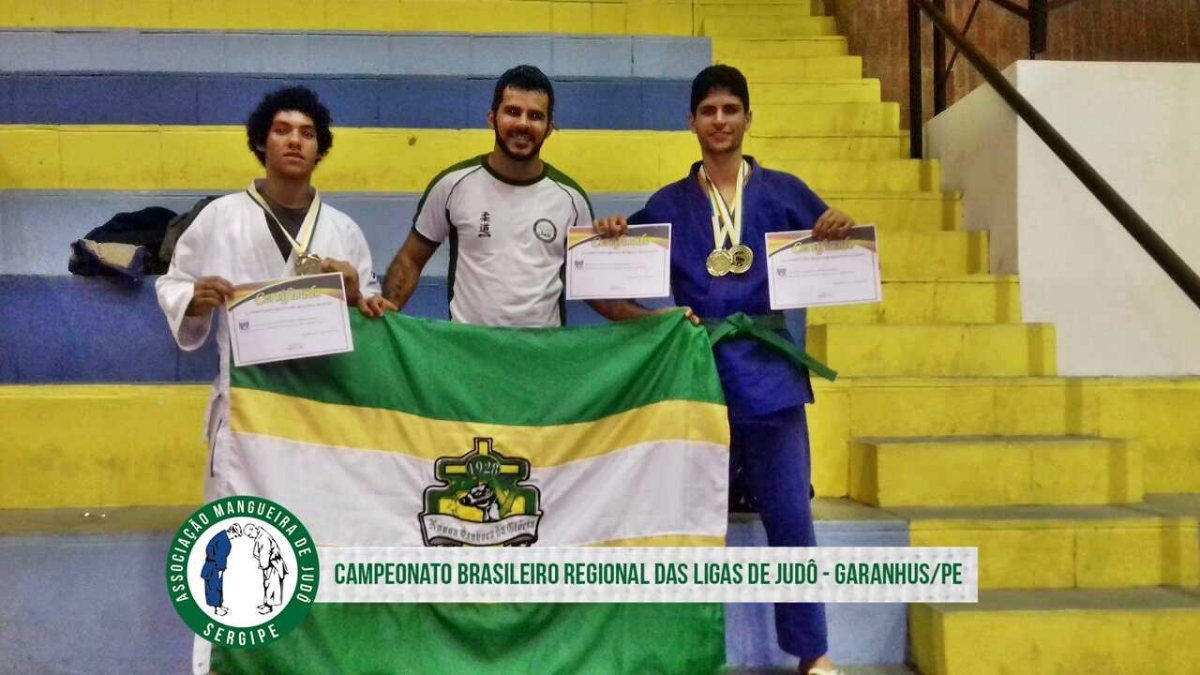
[
  {"x": 741, "y": 258},
  {"x": 719, "y": 262},
  {"x": 308, "y": 264},
  {"x": 727, "y": 225}
]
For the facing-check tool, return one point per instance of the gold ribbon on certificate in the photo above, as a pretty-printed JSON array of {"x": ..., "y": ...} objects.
[{"x": 307, "y": 263}]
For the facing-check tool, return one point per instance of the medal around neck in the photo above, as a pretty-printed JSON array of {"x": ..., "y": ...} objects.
[
  {"x": 741, "y": 258},
  {"x": 727, "y": 225},
  {"x": 719, "y": 262},
  {"x": 308, "y": 264}
]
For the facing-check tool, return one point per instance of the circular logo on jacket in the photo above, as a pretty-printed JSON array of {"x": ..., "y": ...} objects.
[
  {"x": 242, "y": 572},
  {"x": 545, "y": 230}
]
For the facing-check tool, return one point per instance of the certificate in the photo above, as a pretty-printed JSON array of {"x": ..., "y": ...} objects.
[
  {"x": 637, "y": 265},
  {"x": 804, "y": 272},
  {"x": 289, "y": 319}
]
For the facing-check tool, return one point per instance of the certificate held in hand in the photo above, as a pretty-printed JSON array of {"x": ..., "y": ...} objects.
[
  {"x": 637, "y": 265},
  {"x": 289, "y": 319},
  {"x": 804, "y": 272}
]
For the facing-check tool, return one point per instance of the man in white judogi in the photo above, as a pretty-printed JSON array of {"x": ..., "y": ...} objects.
[
  {"x": 271, "y": 564},
  {"x": 261, "y": 234}
]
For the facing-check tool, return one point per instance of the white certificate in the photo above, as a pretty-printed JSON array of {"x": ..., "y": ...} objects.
[
  {"x": 803, "y": 272},
  {"x": 637, "y": 265},
  {"x": 289, "y": 319}
]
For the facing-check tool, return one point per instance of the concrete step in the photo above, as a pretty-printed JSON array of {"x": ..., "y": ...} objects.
[
  {"x": 920, "y": 255},
  {"x": 995, "y": 471},
  {"x": 803, "y": 119},
  {"x": 217, "y": 64},
  {"x": 930, "y": 212},
  {"x": 1027, "y": 547},
  {"x": 841, "y": 145},
  {"x": 858, "y": 90},
  {"x": 962, "y": 350},
  {"x": 752, "y": 27},
  {"x": 132, "y": 464},
  {"x": 77, "y": 157},
  {"x": 762, "y": 70},
  {"x": 763, "y": 12},
  {"x": 1144, "y": 410},
  {"x": 439, "y": 16},
  {"x": 1112, "y": 632},
  {"x": 730, "y": 50},
  {"x": 977, "y": 298},
  {"x": 894, "y": 175},
  {"x": 859, "y": 634}
]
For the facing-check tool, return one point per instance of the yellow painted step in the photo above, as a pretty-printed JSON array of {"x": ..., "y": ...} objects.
[
  {"x": 799, "y": 69},
  {"x": 81, "y": 445},
  {"x": 860, "y": 90},
  {"x": 729, "y": 50},
  {"x": 759, "y": 71},
  {"x": 1143, "y": 410},
  {"x": 917, "y": 255},
  {"x": 632, "y": 17},
  {"x": 1112, "y": 632},
  {"x": 976, "y": 298},
  {"x": 803, "y": 119},
  {"x": 46, "y": 466},
  {"x": 1065, "y": 546},
  {"x": 835, "y": 146},
  {"x": 897, "y": 175},
  {"x": 93, "y": 520},
  {"x": 741, "y": 27},
  {"x": 761, "y": 12},
  {"x": 995, "y": 471},
  {"x": 914, "y": 211},
  {"x": 363, "y": 160},
  {"x": 951, "y": 350}
]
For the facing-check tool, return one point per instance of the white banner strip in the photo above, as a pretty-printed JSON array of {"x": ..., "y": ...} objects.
[{"x": 648, "y": 575}]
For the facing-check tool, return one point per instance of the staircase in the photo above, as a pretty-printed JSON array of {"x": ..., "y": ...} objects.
[{"x": 949, "y": 416}]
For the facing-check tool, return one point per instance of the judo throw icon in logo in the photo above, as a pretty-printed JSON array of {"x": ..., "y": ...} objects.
[
  {"x": 481, "y": 501},
  {"x": 242, "y": 572}
]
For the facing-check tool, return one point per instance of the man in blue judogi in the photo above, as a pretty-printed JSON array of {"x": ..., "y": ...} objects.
[
  {"x": 216, "y": 554},
  {"x": 720, "y": 213}
]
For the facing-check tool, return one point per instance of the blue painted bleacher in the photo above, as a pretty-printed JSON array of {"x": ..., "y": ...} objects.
[
  {"x": 349, "y": 53},
  {"x": 403, "y": 101},
  {"x": 38, "y": 226},
  {"x": 375, "y": 80}
]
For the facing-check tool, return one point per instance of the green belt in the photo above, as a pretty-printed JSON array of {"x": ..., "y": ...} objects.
[{"x": 762, "y": 328}]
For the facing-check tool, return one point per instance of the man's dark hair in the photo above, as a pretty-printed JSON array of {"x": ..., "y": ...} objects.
[
  {"x": 525, "y": 78},
  {"x": 300, "y": 99},
  {"x": 720, "y": 78}
]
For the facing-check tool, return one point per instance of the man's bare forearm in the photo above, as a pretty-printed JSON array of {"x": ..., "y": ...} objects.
[
  {"x": 401, "y": 282},
  {"x": 619, "y": 310}
]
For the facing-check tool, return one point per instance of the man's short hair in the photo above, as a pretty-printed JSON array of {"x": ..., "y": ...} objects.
[
  {"x": 525, "y": 78},
  {"x": 720, "y": 78},
  {"x": 300, "y": 99}
]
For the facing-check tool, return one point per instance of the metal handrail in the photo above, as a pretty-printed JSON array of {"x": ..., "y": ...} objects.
[{"x": 1166, "y": 258}]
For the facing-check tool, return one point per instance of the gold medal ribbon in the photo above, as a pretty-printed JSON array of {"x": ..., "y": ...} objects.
[
  {"x": 727, "y": 219},
  {"x": 306, "y": 228}
]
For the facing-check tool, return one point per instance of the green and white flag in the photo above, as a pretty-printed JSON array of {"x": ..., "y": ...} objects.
[{"x": 439, "y": 434}]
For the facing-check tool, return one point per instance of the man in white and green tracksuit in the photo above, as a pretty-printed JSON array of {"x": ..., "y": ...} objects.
[{"x": 505, "y": 214}]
